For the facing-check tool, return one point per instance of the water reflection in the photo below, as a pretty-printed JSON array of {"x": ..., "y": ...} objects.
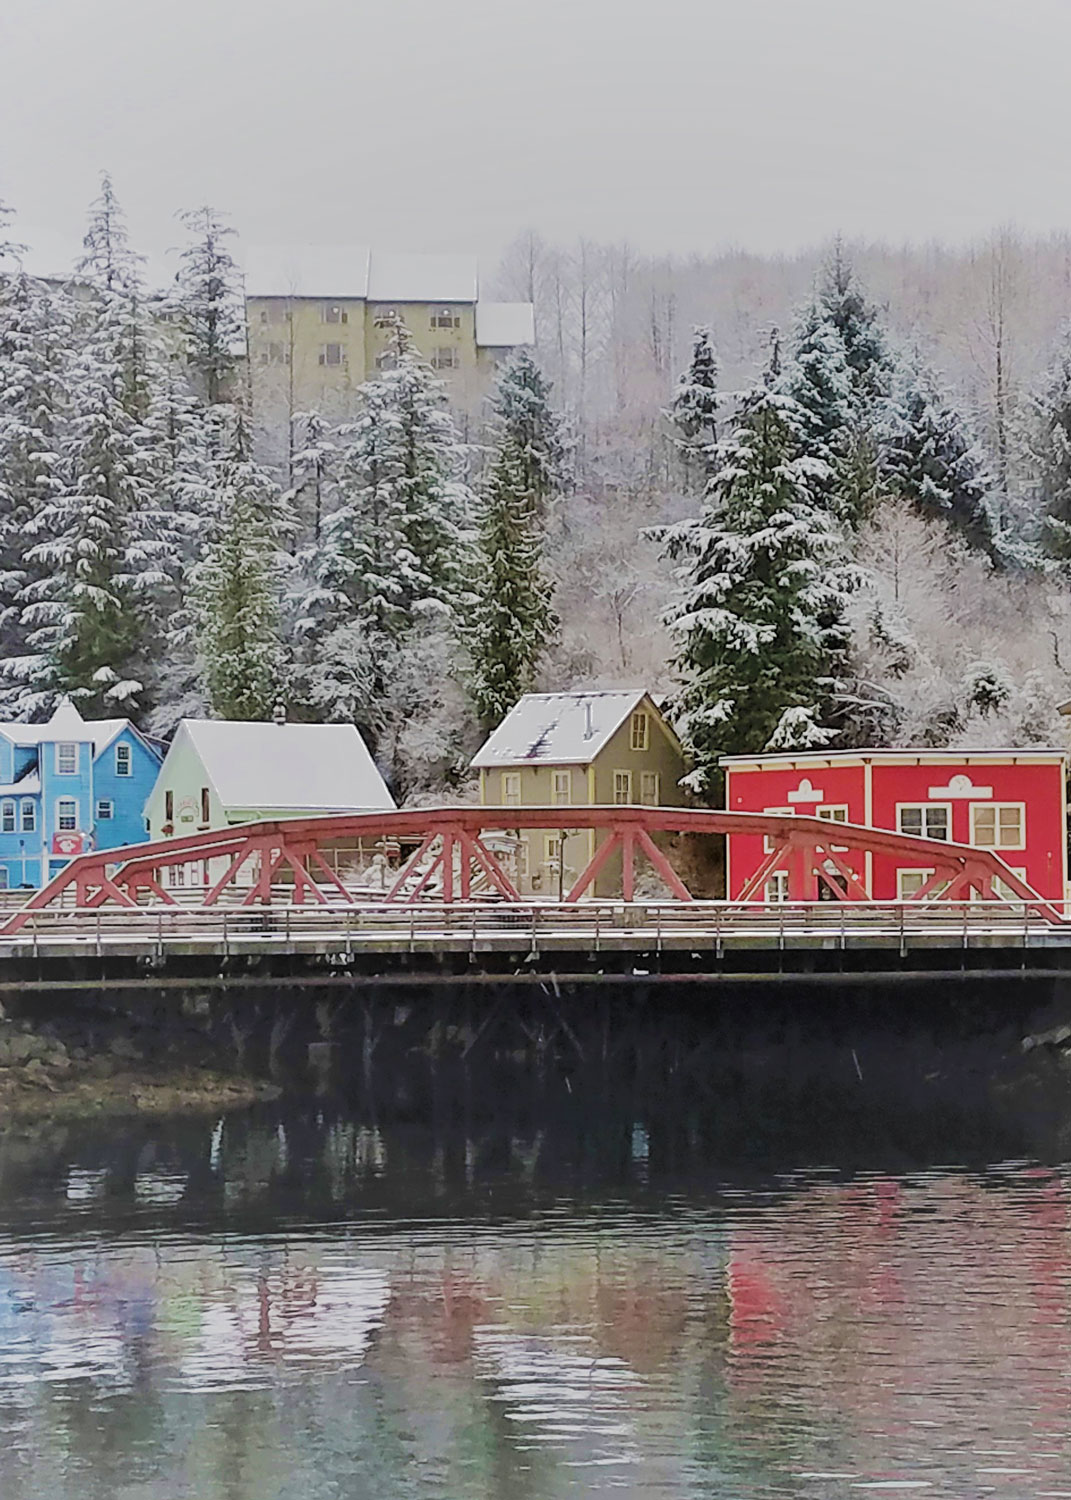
[{"x": 328, "y": 1302}]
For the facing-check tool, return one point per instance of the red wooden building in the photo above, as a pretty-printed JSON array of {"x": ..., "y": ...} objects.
[{"x": 1012, "y": 802}]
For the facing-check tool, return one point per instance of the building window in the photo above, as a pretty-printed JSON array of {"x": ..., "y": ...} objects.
[
  {"x": 206, "y": 809},
  {"x": 275, "y": 312},
  {"x": 66, "y": 760},
  {"x": 511, "y": 788},
  {"x": 446, "y": 319},
  {"x": 66, "y": 815},
  {"x": 332, "y": 354},
  {"x": 176, "y": 874},
  {"x": 446, "y": 359},
  {"x": 276, "y": 354},
  {"x": 169, "y": 806},
  {"x": 563, "y": 788},
  {"x": 622, "y": 788},
  {"x": 29, "y": 817},
  {"x": 105, "y": 809},
  {"x": 786, "y": 812},
  {"x": 910, "y": 882},
  {"x": 552, "y": 848},
  {"x": 122, "y": 760},
  {"x": 386, "y": 360},
  {"x": 924, "y": 819},
  {"x": 7, "y": 817},
  {"x": 331, "y": 312},
  {"x": 3, "y": 878},
  {"x": 998, "y": 825},
  {"x": 777, "y": 887},
  {"x": 640, "y": 730},
  {"x": 522, "y": 858},
  {"x": 649, "y": 788},
  {"x": 834, "y": 814}
]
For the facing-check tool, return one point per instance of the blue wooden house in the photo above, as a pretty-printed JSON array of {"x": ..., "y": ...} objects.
[{"x": 68, "y": 786}]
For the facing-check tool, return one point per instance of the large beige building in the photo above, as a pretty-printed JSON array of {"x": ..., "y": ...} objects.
[
  {"x": 577, "y": 750},
  {"x": 319, "y": 326}
]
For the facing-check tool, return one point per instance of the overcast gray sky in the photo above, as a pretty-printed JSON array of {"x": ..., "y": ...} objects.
[{"x": 681, "y": 125}]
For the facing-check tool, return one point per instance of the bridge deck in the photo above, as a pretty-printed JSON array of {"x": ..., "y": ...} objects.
[{"x": 479, "y": 929}]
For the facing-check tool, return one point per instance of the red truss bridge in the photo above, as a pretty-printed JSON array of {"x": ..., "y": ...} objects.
[{"x": 287, "y": 863}]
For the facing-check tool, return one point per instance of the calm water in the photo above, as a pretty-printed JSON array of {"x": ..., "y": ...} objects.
[{"x": 742, "y": 1292}]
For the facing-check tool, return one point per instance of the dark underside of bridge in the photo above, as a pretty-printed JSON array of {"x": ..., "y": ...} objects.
[{"x": 578, "y": 973}]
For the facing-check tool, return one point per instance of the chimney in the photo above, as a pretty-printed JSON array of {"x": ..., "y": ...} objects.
[
  {"x": 588, "y": 730},
  {"x": 278, "y": 715}
]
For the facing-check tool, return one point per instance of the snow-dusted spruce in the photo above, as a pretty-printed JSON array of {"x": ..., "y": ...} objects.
[
  {"x": 35, "y": 339},
  {"x": 843, "y": 305},
  {"x": 206, "y": 300},
  {"x": 314, "y": 467},
  {"x": 1049, "y": 431},
  {"x": 762, "y": 644},
  {"x": 512, "y": 619},
  {"x": 929, "y": 460},
  {"x": 694, "y": 412},
  {"x": 236, "y": 595},
  {"x": 520, "y": 407}
]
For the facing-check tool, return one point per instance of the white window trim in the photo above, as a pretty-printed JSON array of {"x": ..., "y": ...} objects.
[
  {"x": 59, "y": 816},
  {"x": 559, "y": 799},
  {"x": 639, "y": 713},
  {"x": 996, "y": 807},
  {"x": 552, "y": 848},
  {"x": 775, "y": 891},
  {"x": 926, "y": 806},
  {"x": 8, "y": 807},
  {"x": 62, "y": 745},
  {"x": 909, "y": 871},
  {"x": 5, "y": 878},
  {"x": 109, "y": 803},
  {"x": 656, "y": 778},
  {"x": 826, "y": 810},
  {"x": 333, "y": 364},
  {"x": 511, "y": 788},
  {"x": 28, "y": 805},
  {"x": 128, "y": 761},
  {"x": 781, "y": 812},
  {"x": 628, "y": 792}
]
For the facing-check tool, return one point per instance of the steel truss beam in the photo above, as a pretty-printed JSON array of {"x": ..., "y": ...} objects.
[{"x": 289, "y": 864}]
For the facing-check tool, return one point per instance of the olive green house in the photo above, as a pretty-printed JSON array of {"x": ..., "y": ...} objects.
[{"x": 577, "y": 749}]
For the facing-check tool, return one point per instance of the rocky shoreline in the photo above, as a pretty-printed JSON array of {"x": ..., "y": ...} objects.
[{"x": 59, "y": 1069}]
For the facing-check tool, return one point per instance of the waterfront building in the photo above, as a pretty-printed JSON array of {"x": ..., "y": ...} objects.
[
  {"x": 68, "y": 786},
  {"x": 219, "y": 772},
  {"x": 1012, "y": 802},
  {"x": 320, "y": 324},
  {"x": 577, "y": 750}
]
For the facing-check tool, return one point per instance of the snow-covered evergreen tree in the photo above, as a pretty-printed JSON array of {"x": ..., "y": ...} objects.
[
  {"x": 85, "y": 615},
  {"x": 843, "y": 304},
  {"x": 929, "y": 460},
  {"x": 520, "y": 406},
  {"x": 694, "y": 411},
  {"x": 512, "y": 620},
  {"x": 35, "y": 344},
  {"x": 762, "y": 641},
  {"x": 314, "y": 469},
  {"x": 236, "y": 596},
  {"x": 1049, "y": 442},
  {"x": 207, "y": 300}
]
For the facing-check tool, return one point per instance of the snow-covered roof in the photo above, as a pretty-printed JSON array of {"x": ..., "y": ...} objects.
[
  {"x": 906, "y": 755},
  {"x": 399, "y": 277},
  {"x": 27, "y": 787},
  {"x": 557, "y": 728},
  {"x": 307, "y": 767},
  {"x": 504, "y": 325},
  {"x": 67, "y": 724},
  {"x": 306, "y": 271},
  {"x": 353, "y": 272}
]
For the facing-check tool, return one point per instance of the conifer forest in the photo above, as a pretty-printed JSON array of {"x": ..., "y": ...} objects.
[{"x": 818, "y": 501}]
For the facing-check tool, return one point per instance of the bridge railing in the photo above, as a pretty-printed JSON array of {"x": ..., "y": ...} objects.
[{"x": 481, "y": 928}]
